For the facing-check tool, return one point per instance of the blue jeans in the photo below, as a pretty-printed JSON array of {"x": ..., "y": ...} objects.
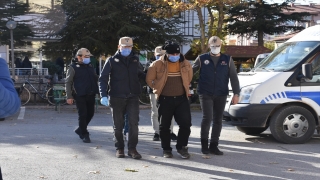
[
  {"x": 119, "y": 107},
  {"x": 212, "y": 110}
]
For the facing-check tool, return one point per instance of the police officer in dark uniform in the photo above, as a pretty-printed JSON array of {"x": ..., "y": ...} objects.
[
  {"x": 215, "y": 71},
  {"x": 82, "y": 86},
  {"x": 119, "y": 82}
]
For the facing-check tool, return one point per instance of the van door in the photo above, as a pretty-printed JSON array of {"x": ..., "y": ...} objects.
[{"x": 310, "y": 89}]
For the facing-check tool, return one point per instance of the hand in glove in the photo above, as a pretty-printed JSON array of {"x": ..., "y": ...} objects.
[{"x": 104, "y": 101}]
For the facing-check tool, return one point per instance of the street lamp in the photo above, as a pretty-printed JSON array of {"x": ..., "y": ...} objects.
[{"x": 11, "y": 25}]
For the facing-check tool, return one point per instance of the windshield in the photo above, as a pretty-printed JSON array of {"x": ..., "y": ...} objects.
[{"x": 286, "y": 56}]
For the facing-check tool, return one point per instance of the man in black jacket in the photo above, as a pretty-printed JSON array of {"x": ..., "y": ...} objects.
[
  {"x": 119, "y": 80},
  {"x": 81, "y": 82}
]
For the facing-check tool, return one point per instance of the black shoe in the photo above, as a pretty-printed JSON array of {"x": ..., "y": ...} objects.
[
  {"x": 167, "y": 154},
  {"x": 120, "y": 153},
  {"x": 183, "y": 152},
  {"x": 78, "y": 131},
  {"x": 204, "y": 146},
  {"x": 156, "y": 137},
  {"x": 173, "y": 137},
  {"x": 86, "y": 138},
  {"x": 214, "y": 149},
  {"x": 2, "y": 119},
  {"x": 134, "y": 154}
]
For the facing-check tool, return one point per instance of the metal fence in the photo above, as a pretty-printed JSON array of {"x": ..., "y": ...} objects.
[{"x": 32, "y": 71}]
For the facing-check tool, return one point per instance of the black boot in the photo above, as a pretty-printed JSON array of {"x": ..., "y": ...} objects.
[
  {"x": 204, "y": 146},
  {"x": 214, "y": 149}
]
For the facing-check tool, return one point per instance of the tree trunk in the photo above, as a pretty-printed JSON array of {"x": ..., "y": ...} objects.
[
  {"x": 260, "y": 38},
  {"x": 211, "y": 21},
  {"x": 202, "y": 30},
  {"x": 221, "y": 17}
]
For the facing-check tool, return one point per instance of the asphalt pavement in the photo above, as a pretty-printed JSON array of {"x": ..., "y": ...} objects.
[{"x": 40, "y": 143}]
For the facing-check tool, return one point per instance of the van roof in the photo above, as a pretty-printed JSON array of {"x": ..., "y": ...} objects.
[{"x": 309, "y": 34}]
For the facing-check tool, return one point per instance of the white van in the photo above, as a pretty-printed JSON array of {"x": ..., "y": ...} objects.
[
  {"x": 260, "y": 57},
  {"x": 282, "y": 92}
]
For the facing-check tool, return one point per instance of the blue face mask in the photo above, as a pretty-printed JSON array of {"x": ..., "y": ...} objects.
[
  {"x": 125, "y": 51},
  {"x": 86, "y": 60},
  {"x": 157, "y": 57},
  {"x": 174, "y": 58}
]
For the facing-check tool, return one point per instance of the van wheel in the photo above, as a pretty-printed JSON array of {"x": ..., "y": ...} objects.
[
  {"x": 252, "y": 130},
  {"x": 292, "y": 125}
]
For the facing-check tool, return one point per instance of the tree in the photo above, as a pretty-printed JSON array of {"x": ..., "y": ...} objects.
[
  {"x": 259, "y": 18},
  {"x": 206, "y": 27},
  {"x": 14, "y": 10},
  {"x": 98, "y": 25}
]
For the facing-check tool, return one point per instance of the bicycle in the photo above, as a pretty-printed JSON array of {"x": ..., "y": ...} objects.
[
  {"x": 144, "y": 95},
  {"x": 144, "y": 98},
  {"x": 45, "y": 91}
]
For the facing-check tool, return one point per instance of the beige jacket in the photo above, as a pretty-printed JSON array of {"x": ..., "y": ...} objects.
[{"x": 158, "y": 73}]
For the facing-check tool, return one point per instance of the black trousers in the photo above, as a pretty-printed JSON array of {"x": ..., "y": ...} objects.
[
  {"x": 179, "y": 108},
  {"x": 212, "y": 110},
  {"x": 85, "y": 105},
  {"x": 120, "y": 107}
]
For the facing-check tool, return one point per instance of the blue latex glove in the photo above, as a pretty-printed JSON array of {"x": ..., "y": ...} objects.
[{"x": 104, "y": 101}]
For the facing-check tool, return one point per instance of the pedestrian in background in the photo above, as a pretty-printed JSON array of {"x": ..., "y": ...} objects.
[
  {"x": 215, "y": 71},
  {"x": 26, "y": 63},
  {"x": 9, "y": 100},
  {"x": 60, "y": 63},
  {"x": 82, "y": 86},
  {"x": 158, "y": 52},
  {"x": 18, "y": 64},
  {"x": 169, "y": 77},
  {"x": 121, "y": 73}
]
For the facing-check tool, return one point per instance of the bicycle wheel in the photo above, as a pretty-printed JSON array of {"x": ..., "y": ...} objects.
[
  {"x": 24, "y": 95},
  {"x": 50, "y": 97},
  {"x": 144, "y": 99}
]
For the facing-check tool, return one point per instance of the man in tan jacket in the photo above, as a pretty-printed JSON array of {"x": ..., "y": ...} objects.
[{"x": 169, "y": 77}]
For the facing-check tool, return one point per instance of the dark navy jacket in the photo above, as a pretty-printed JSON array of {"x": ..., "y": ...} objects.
[
  {"x": 120, "y": 76},
  {"x": 214, "y": 80},
  {"x": 85, "y": 79}
]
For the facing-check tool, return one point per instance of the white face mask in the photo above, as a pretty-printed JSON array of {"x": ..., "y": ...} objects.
[{"x": 215, "y": 50}]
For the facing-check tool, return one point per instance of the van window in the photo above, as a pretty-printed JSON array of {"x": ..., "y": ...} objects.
[
  {"x": 260, "y": 57},
  {"x": 287, "y": 56},
  {"x": 315, "y": 69}
]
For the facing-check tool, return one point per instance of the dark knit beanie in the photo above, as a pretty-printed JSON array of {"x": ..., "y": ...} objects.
[{"x": 171, "y": 47}]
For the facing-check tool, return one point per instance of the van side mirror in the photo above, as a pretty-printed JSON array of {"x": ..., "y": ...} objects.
[{"x": 307, "y": 70}]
